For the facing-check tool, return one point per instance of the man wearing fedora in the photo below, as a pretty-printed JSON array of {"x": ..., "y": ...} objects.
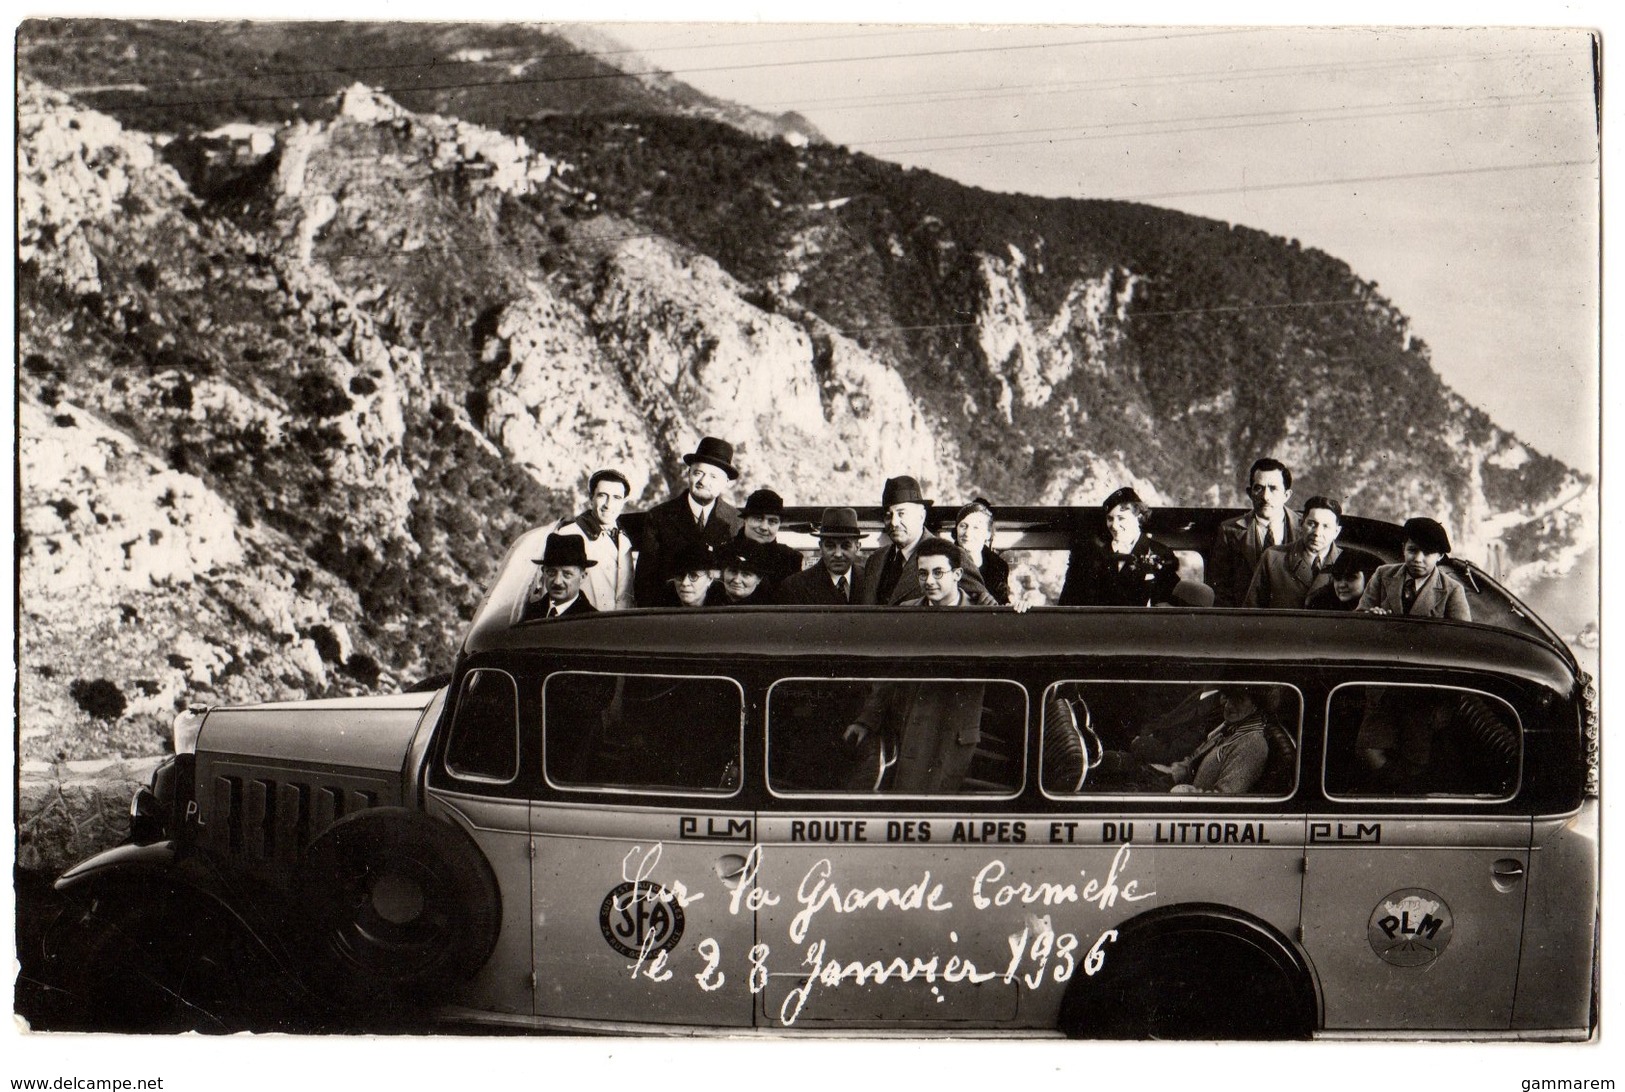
[
  {"x": 609, "y": 585},
  {"x": 1417, "y": 586},
  {"x": 889, "y": 575},
  {"x": 763, "y": 512},
  {"x": 838, "y": 573},
  {"x": 697, "y": 515},
  {"x": 564, "y": 564}
]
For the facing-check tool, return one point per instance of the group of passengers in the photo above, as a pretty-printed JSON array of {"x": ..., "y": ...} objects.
[{"x": 698, "y": 550}]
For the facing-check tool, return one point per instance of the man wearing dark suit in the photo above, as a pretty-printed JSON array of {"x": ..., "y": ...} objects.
[
  {"x": 1243, "y": 540},
  {"x": 1288, "y": 575},
  {"x": 564, "y": 564},
  {"x": 1417, "y": 586},
  {"x": 837, "y": 575},
  {"x": 889, "y": 575},
  {"x": 697, "y": 515}
]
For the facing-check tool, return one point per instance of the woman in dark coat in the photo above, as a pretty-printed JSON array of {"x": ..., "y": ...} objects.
[
  {"x": 973, "y": 533},
  {"x": 1128, "y": 569}
]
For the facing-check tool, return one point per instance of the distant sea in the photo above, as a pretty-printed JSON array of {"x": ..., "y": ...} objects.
[{"x": 1570, "y": 603}]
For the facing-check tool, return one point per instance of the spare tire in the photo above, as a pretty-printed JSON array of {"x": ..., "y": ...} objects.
[{"x": 395, "y": 905}]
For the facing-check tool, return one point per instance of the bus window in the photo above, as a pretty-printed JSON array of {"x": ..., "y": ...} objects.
[
  {"x": 1151, "y": 738},
  {"x": 644, "y": 733},
  {"x": 484, "y": 741},
  {"x": 1409, "y": 740},
  {"x": 914, "y": 737}
]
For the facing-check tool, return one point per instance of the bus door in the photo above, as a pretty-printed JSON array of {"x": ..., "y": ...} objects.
[
  {"x": 1413, "y": 895},
  {"x": 864, "y": 908},
  {"x": 638, "y": 848}
]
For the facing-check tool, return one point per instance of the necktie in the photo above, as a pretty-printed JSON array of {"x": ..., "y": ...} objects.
[
  {"x": 1407, "y": 595},
  {"x": 615, "y": 535},
  {"x": 840, "y": 589},
  {"x": 1269, "y": 536},
  {"x": 553, "y": 612}
]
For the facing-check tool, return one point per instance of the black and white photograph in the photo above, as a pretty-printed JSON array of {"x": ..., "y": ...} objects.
[{"x": 946, "y": 541}]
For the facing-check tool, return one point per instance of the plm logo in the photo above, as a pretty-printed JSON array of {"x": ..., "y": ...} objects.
[
  {"x": 1410, "y": 928},
  {"x": 641, "y": 918}
]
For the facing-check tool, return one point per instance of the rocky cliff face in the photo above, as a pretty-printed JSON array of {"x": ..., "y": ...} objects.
[{"x": 287, "y": 391}]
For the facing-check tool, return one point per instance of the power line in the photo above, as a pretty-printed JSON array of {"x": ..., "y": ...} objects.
[
  {"x": 662, "y": 73},
  {"x": 1362, "y": 179},
  {"x": 908, "y": 98},
  {"x": 571, "y": 52},
  {"x": 1332, "y": 113}
]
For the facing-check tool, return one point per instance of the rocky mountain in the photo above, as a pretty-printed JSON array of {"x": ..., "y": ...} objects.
[{"x": 297, "y": 363}]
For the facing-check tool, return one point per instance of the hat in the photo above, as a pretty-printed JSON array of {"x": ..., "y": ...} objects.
[
  {"x": 719, "y": 453},
  {"x": 1427, "y": 533},
  {"x": 977, "y": 504},
  {"x": 904, "y": 490},
  {"x": 692, "y": 557},
  {"x": 1125, "y": 495},
  {"x": 763, "y": 502},
  {"x": 1191, "y": 593},
  {"x": 566, "y": 550},
  {"x": 608, "y": 475},
  {"x": 838, "y": 523},
  {"x": 749, "y": 556},
  {"x": 1351, "y": 561}
]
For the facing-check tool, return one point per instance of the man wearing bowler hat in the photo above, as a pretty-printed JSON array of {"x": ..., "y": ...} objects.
[
  {"x": 564, "y": 564},
  {"x": 1417, "y": 586},
  {"x": 836, "y": 577},
  {"x": 889, "y": 575},
  {"x": 763, "y": 512},
  {"x": 697, "y": 516}
]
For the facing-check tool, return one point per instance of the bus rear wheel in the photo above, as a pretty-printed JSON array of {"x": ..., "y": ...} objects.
[{"x": 1194, "y": 976}]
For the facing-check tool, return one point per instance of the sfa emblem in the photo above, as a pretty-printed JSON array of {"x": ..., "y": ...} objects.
[
  {"x": 640, "y": 918},
  {"x": 1410, "y": 928}
]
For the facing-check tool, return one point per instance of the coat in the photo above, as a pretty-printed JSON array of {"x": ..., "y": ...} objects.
[
  {"x": 1284, "y": 579},
  {"x": 666, "y": 528},
  {"x": 1439, "y": 596},
  {"x": 1095, "y": 579},
  {"x": 908, "y": 581},
  {"x": 815, "y": 587},
  {"x": 537, "y": 608},
  {"x": 1236, "y": 551},
  {"x": 608, "y": 584}
]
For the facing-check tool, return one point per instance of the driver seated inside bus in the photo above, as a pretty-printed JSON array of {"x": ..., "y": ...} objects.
[{"x": 1230, "y": 759}]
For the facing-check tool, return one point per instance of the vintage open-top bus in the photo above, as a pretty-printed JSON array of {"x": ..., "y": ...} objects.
[{"x": 652, "y": 821}]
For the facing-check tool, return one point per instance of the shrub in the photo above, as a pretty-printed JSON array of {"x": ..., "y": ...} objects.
[{"x": 101, "y": 698}]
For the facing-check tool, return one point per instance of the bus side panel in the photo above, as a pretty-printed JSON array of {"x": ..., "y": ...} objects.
[
  {"x": 1554, "y": 972},
  {"x": 1413, "y": 924}
]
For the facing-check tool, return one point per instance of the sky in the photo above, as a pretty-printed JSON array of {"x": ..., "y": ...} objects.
[{"x": 1456, "y": 168}]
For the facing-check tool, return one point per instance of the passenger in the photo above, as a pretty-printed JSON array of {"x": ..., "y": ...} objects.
[
  {"x": 1417, "y": 586},
  {"x": 696, "y": 571},
  {"x": 1233, "y": 756},
  {"x": 1230, "y": 759},
  {"x": 937, "y": 567},
  {"x": 973, "y": 532},
  {"x": 1288, "y": 575},
  {"x": 763, "y": 512},
  {"x": 609, "y": 586},
  {"x": 564, "y": 563},
  {"x": 1243, "y": 540},
  {"x": 1128, "y": 569},
  {"x": 1349, "y": 572},
  {"x": 832, "y": 580},
  {"x": 889, "y": 575},
  {"x": 698, "y": 514},
  {"x": 745, "y": 569}
]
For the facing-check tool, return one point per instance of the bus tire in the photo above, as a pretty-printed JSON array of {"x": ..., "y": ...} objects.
[
  {"x": 396, "y": 907},
  {"x": 1194, "y": 972}
]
